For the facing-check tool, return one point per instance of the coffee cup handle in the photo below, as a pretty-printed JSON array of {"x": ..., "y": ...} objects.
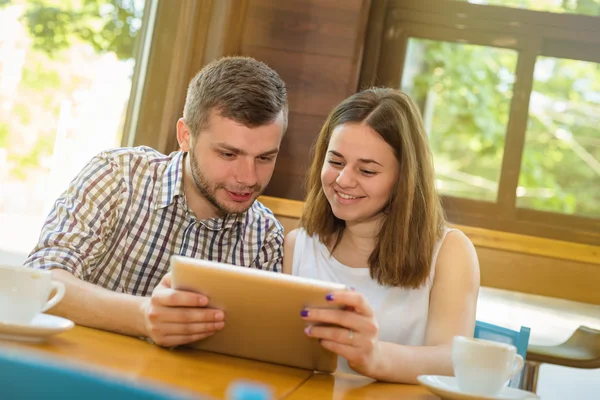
[
  {"x": 518, "y": 364},
  {"x": 58, "y": 295}
]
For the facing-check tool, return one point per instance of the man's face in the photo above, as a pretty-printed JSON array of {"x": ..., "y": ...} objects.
[{"x": 231, "y": 164}]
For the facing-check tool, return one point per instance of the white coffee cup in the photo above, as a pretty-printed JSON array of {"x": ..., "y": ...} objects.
[
  {"x": 24, "y": 293},
  {"x": 484, "y": 367}
]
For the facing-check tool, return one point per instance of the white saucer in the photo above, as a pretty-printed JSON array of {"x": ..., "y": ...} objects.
[
  {"x": 447, "y": 388},
  {"x": 42, "y": 327}
]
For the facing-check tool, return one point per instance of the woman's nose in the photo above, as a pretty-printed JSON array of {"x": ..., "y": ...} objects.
[{"x": 346, "y": 178}]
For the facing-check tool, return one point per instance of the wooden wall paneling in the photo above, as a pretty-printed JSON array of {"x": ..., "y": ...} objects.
[
  {"x": 289, "y": 224},
  {"x": 280, "y": 185},
  {"x": 294, "y": 157},
  {"x": 315, "y": 83},
  {"x": 316, "y": 46},
  {"x": 305, "y": 26}
]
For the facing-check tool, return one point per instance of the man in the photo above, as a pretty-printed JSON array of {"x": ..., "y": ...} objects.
[{"x": 110, "y": 235}]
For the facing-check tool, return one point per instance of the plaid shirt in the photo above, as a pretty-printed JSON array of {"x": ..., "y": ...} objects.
[{"x": 125, "y": 214}]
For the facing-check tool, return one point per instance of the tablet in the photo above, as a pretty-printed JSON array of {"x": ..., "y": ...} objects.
[{"x": 262, "y": 312}]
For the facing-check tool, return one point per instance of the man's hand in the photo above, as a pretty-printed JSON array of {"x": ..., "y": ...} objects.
[{"x": 174, "y": 317}]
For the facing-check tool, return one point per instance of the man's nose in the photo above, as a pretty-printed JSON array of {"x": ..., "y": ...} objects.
[{"x": 246, "y": 173}]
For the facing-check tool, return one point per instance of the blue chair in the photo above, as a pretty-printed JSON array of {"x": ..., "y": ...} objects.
[
  {"x": 25, "y": 376},
  {"x": 519, "y": 339}
]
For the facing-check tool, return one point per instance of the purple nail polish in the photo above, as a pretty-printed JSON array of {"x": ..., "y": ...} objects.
[
  {"x": 304, "y": 313},
  {"x": 329, "y": 297},
  {"x": 307, "y": 330},
  {"x": 352, "y": 289}
]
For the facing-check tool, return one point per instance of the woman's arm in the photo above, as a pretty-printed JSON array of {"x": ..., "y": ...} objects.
[
  {"x": 288, "y": 251},
  {"x": 452, "y": 307}
]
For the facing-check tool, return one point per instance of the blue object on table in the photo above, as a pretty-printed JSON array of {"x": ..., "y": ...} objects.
[
  {"x": 519, "y": 339},
  {"x": 246, "y": 390},
  {"x": 24, "y": 377}
]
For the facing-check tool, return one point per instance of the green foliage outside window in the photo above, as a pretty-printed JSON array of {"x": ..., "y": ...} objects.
[
  {"x": 465, "y": 92},
  {"x": 56, "y": 30},
  {"x": 108, "y": 25}
]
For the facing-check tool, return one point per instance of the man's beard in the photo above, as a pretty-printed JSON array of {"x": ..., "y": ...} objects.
[{"x": 209, "y": 191}]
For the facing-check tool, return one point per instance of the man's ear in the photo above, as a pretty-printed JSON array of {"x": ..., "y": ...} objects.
[{"x": 184, "y": 136}]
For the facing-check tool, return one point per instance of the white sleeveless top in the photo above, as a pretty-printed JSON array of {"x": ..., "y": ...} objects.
[{"x": 401, "y": 314}]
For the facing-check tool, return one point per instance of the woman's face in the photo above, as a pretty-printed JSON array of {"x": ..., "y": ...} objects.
[{"x": 359, "y": 173}]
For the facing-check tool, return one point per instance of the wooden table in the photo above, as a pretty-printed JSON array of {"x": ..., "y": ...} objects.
[
  {"x": 188, "y": 369},
  {"x": 203, "y": 372},
  {"x": 351, "y": 387}
]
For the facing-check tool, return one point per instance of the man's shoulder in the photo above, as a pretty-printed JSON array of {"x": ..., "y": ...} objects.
[
  {"x": 261, "y": 217},
  {"x": 141, "y": 154},
  {"x": 134, "y": 163}
]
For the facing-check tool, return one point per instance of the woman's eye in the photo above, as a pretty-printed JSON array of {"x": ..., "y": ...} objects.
[
  {"x": 370, "y": 173},
  {"x": 336, "y": 163}
]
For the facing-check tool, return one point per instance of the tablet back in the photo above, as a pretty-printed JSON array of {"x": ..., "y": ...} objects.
[{"x": 262, "y": 312}]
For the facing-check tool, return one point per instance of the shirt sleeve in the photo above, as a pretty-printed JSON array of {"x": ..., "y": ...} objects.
[
  {"x": 77, "y": 231},
  {"x": 270, "y": 256}
]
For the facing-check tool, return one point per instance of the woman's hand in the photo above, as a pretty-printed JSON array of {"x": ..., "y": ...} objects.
[{"x": 355, "y": 337}]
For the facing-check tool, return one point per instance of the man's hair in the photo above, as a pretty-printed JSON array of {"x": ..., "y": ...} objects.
[
  {"x": 238, "y": 88},
  {"x": 414, "y": 217}
]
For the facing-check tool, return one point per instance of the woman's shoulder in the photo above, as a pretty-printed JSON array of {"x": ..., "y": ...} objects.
[
  {"x": 297, "y": 245},
  {"x": 290, "y": 238},
  {"x": 298, "y": 235},
  {"x": 456, "y": 239},
  {"x": 457, "y": 253}
]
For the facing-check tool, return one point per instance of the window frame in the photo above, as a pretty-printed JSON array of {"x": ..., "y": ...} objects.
[{"x": 531, "y": 34}]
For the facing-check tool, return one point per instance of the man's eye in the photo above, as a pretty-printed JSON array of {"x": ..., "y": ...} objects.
[{"x": 228, "y": 155}]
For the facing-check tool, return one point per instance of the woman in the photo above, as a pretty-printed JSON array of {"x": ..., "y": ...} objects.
[{"x": 373, "y": 221}]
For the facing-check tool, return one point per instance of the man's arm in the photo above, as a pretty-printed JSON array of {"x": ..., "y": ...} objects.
[
  {"x": 77, "y": 234},
  {"x": 80, "y": 226},
  {"x": 96, "y": 307},
  {"x": 169, "y": 317}
]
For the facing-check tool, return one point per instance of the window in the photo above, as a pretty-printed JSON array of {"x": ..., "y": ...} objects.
[
  {"x": 510, "y": 98},
  {"x": 560, "y": 171},
  {"x": 455, "y": 85},
  {"x": 66, "y": 74}
]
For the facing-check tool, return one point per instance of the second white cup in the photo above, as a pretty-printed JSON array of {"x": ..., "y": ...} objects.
[{"x": 484, "y": 367}]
